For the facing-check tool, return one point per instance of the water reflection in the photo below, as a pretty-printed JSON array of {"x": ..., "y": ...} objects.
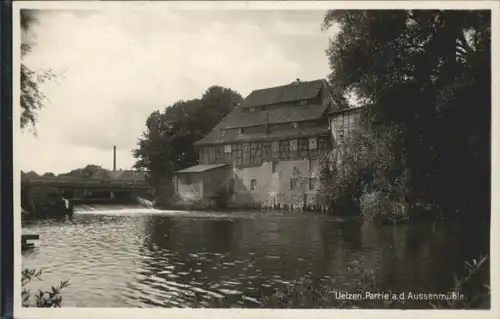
[{"x": 230, "y": 259}]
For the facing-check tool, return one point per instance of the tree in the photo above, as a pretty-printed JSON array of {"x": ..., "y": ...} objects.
[
  {"x": 167, "y": 143},
  {"x": 32, "y": 98},
  {"x": 427, "y": 72},
  {"x": 30, "y": 174},
  {"x": 86, "y": 172}
]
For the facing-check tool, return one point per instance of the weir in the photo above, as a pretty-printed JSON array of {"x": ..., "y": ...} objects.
[
  {"x": 96, "y": 208},
  {"x": 120, "y": 202}
]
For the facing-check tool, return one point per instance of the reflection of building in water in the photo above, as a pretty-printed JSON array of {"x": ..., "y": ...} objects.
[
  {"x": 269, "y": 150},
  {"x": 282, "y": 233}
]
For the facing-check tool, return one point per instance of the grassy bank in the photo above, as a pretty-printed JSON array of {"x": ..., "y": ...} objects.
[{"x": 467, "y": 293}]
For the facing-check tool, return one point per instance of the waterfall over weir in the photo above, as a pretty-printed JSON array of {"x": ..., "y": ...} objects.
[{"x": 141, "y": 205}]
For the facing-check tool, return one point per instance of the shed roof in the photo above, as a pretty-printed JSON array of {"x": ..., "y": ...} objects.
[
  {"x": 345, "y": 110},
  {"x": 200, "y": 168},
  {"x": 296, "y": 91}
]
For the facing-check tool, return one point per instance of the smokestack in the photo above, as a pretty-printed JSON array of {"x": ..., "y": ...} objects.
[{"x": 114, "y": 158}]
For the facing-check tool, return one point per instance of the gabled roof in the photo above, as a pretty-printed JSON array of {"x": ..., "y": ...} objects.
[
  {"x": 235, "y": 138},
  {"x": 287, "y": 112},
  {"x": 293, "y": 92},
  {"x": 238, "y": 118},
  {"x": 284, "y": 114},
  {"x": 200, "y": 168}
]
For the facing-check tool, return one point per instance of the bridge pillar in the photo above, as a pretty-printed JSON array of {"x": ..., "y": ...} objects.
[{"x": 111, "y": 195}]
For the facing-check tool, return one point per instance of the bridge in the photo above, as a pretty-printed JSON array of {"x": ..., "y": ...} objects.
[
  {"x": 93, "y": 185},
  {"x": 103, "y": 186},
  {"x": 75, "y": 191}
]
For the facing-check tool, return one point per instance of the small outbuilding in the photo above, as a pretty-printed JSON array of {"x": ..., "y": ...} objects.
[{"x": 203, "y": 184}]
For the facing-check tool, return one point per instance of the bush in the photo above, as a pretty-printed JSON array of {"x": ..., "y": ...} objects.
[
  {"x": 381, "y": 207},
  {"x": 365, "y": 177},
  {"x": 465, "y": 285},
  {"x": 305, "y": 294},
  {"x": 41, "y": 299},
  {"x": 43, "y": 202}
]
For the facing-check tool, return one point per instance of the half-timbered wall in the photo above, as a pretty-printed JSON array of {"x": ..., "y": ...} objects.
[
  {"x": 343, "y": 125},
  {"x": 247, "y": 154},
  {"x": 273, "y": 128}
]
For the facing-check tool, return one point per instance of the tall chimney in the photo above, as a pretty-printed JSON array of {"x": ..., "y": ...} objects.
[{"x": 114, "y": 158}]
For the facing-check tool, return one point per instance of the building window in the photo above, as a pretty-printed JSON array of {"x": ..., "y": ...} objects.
[
  {"x": 295, "y": 125},
  {"x": 303, "y": 102},
  {"x": 293, "y": 145},
  {"x": 275, "y": 146},
  {"x": 275, "y": 166},
  {"x": 312, "y": 184},
  {"x": 313, "y": 165},
  {"x": 227, "y": 148},
  {"x": 284, "y": 149},
  {"x": 187, "y": 179},
  {"x": 313, "y": 143},
  {"x": 251, "y": 110},
  {"x": 340, "y": 121},
  {"x": 240, "y": 130},
  {"x": 253, "y": 184},
  {"x": 293, "y": 183},
  {"x": 223, "y": 132},
  {"x": 219, "y": 152}
]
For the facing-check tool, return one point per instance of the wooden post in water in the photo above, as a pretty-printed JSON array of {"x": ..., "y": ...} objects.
[
  {"x": 25, "y": 238},
  {"x": 68, "y": 206}
]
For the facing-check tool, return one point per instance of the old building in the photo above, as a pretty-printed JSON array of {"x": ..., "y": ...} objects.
[
  {"x": 342, "y": 124},
  {"x": 268, "y": 151}
]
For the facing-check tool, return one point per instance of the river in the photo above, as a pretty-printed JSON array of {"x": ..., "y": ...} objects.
[{"x": 150, "y": 258}]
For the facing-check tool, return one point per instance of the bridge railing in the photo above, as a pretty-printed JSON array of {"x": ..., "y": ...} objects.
[{"x": 42, "y": 181}]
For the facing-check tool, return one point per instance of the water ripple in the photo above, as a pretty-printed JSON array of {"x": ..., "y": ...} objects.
[{"x": 151, "y": 258}]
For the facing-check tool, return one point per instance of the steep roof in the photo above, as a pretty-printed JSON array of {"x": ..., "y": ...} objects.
[
  {"x": 286, "y": 114},
  {"x": 200, "y": 168},
  {"x": 285, "y": 93},
  {"x": 239, "y": 118},
  {"x": 233, "y": 138}
]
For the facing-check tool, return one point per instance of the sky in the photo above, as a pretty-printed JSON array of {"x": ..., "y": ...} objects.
[{"x": 116, "y": 66}]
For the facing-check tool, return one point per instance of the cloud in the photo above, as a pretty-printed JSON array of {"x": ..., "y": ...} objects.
[{"x": 121, "y": 65}]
